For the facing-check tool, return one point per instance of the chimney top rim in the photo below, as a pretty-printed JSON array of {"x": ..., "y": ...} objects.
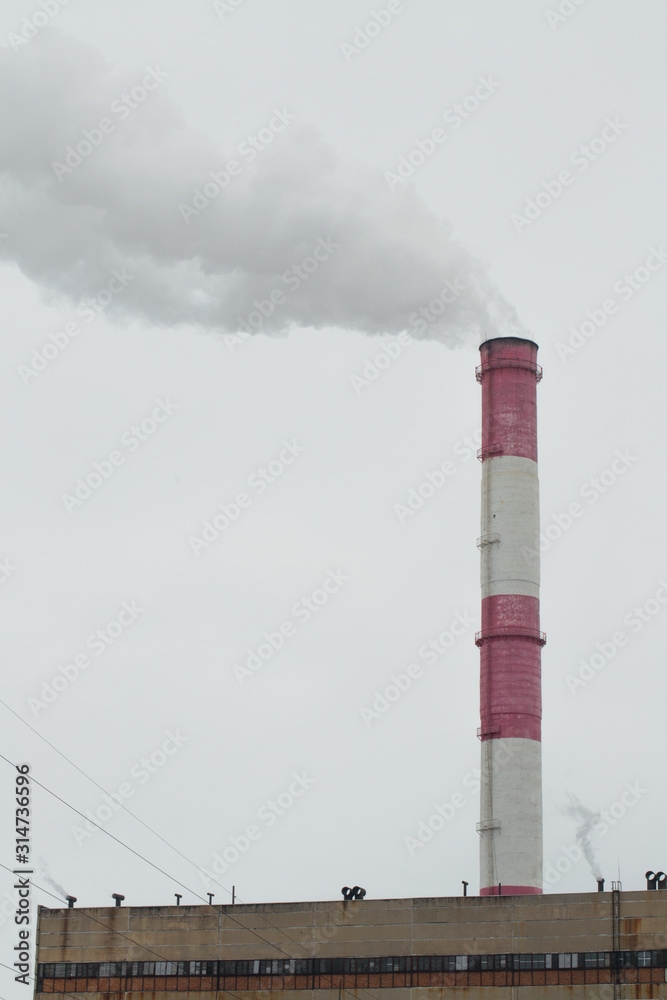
[{"x": 520, "y": 340}]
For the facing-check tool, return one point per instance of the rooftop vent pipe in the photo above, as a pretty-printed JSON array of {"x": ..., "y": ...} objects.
[
  {"x": 117, "y": 896},
  {"x": 656, "y": 880}
]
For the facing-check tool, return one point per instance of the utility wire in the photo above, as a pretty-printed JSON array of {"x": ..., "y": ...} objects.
[
  {"x": 145, "y": 947},
  {"x": 118, "y": 841},
  {"x": 114, "y": 930},
  {"x": 97, "y": 785},
  {"x": 255, "y": 933}
]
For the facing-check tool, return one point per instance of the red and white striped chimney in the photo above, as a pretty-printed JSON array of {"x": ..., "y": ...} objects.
[{"x": 510, "y": 642}]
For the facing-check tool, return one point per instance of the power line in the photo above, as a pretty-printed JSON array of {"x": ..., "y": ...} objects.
[
  {"x": 97, "y": 785},
  {"x": 255, "y": 933},
  {"x": 107, "y": 927},
  {"x": 118, "y": 841},
  {"x": 145, "y": 947}
]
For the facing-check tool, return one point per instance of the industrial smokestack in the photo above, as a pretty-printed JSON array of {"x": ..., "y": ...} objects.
[
  {"x": 600, "y": 885},
  {"x": 510, "y": 641}
]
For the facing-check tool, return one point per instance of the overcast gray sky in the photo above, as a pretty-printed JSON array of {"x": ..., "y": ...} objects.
[{"x": 248, "y": 254}]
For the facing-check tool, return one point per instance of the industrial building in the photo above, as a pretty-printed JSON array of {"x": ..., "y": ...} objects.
[
  {"x": 590, "y": 946},
  {"x": 508, "y": 941}
]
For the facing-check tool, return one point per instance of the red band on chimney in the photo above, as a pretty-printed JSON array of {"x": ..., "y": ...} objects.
[
  {"x": 509, "y": 420},
  {"x": 510, "y": 679},
  {"x": 511, "y": 890}
]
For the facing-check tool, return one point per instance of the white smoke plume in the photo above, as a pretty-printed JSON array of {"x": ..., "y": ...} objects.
[
  {"x": 587, "y": 820},
  {"x": 121, "y": 208},
  {"x": 45, "y": 876}
]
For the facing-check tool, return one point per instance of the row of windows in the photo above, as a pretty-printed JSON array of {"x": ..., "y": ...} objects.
[{"x": 320, "y": 966}]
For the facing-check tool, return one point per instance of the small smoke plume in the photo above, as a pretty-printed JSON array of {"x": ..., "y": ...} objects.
[
  {"x": 45, "y": 876},
  {"x": 587, "y": 820},
  {"x": 80, "y": 201}
]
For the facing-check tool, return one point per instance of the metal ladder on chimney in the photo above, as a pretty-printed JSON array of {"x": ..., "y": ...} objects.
[{"x": 617, "y": 971}]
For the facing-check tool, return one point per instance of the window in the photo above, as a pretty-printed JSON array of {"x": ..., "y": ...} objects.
[
  {"x": 167, "y": 968},
  {"x": 596, "y": 959},
  {"x": 198, "y": 968},
  {"x": 354, "y": 966}
]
